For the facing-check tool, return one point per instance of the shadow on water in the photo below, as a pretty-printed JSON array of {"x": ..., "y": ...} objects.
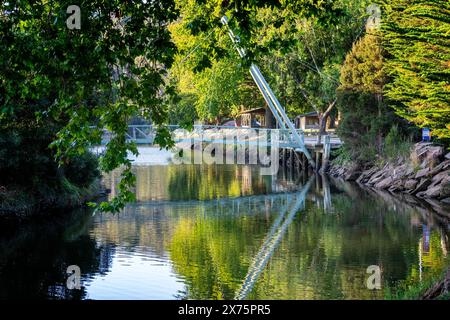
[
  {"x": 225, "y": 232},
  {"x": 34, "y": 257}
]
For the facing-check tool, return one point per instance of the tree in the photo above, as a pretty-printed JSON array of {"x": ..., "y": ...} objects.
[
  {"x": 365, "y": 117},
  {"x": 218, "y": 91},
  {"x": 297, "y": 44},
  {"x": 219, "y": 87},
  {"x": 416, "y": 37},
  {"x": 305, "y": 55},
  {"x": 102, "y": 74}
]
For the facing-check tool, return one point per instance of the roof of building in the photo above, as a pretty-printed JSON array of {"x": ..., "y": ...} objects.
[
  {"x": 309, "y": 114},
  {"x": 256, "y": 110}
]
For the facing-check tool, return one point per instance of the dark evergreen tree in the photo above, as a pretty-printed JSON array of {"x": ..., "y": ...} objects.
[{"x": 416, "y": 36}]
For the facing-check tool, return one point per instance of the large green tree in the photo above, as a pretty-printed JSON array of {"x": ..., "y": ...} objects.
[
  {"x": 102, "y": 74},
  {"x": 304, "y": 55},
  {"x": 365, "y": 116},
  {"x": 417, "y": 38},
  {"x": 298, "y": 45}
]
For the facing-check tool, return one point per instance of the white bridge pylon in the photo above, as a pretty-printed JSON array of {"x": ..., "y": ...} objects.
[{"x": 274, "y": 105}]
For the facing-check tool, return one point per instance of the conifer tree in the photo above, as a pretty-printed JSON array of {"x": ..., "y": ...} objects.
[
  {"x": 416, "y": 36},
  {"x": 365, "y": 116}
]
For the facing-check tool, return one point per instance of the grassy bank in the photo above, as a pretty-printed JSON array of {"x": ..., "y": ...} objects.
[{"x": 419, "y": 291}]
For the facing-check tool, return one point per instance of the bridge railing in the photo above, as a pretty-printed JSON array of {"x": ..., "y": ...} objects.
[{"x": 145, "y": 134}]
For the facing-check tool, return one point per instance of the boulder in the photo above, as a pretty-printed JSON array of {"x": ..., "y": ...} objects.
[
  {"x": 419, "y": 151},
  {"x": 385, "y": 183},
  {"x": 440, "y": 177},
  {"x": 366, "y": 175},
  {"x": 398, "y": 186},
  {"x": 447, "y": 156},
  {"x": 422, "y": 186},
  {"x": 409, "y": 172},
  {"x": 420, "y": 194},
  {"x": 422, "y": 173},
  {"x": 445, "y": 187},
  {"x": 340, "y": 172},
  {"x": 446, "y": 165},
  {"x": 427, "y": 154},
  {"x": 411, "y": 184},
  {"x": 400, "y": 171},
  {"x": 377, "y": 177},
  {"x": 434, "y": 154},
  {"x": 433, "y": 192},
  {"x": 424, "y": 164},
  {"x": 437, "y": 169},
  {"x": 352, "y": 175}
]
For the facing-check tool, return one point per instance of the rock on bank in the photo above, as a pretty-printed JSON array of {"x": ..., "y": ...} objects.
[{"x": 426, "y": 174}]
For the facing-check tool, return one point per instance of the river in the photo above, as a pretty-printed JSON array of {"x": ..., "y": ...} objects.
[{"x": 225, "y": 232}]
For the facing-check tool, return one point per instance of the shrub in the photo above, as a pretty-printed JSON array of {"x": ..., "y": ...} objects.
[
  {"x": 396, "y": 144},
  {"x": 82, "y": 170}
]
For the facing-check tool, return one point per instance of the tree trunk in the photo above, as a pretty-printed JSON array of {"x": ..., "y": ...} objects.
[
  {"x": 323, "y": 117},
  {"x": 379, "y": 138}
]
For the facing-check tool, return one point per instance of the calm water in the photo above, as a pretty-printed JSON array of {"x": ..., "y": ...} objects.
[{"x": 220, "y": 232}]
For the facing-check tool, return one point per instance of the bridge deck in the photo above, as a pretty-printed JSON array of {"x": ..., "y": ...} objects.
[{"x": 145, "y": 134}]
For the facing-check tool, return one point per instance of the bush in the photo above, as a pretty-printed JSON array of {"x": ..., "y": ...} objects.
[
  {"x": 25, "y": 158},
  {"x": 31, "y": 178},
  {"x": 82, "y": 170},
  {"x": 396, "y": 145}
]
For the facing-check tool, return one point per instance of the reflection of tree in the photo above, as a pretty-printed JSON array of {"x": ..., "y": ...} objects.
[
  {"x": 33, "y": 262},
  {"x": 200, "y": 182},
  {"x": 214, "y": 182},
  {"x": 322, "y": 255},
  {"x": 137, "y": 228},
  {"x": 213, "y": 251},
  {"x": 324, "y": 252}
]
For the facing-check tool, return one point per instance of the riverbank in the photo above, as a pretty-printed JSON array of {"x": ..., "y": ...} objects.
[
  {"x": 18, "y": 203},
  {"x": 424, "y": 175}
]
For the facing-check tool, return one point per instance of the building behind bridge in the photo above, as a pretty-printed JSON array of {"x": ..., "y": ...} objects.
[
  {"x": 310, "y": 121},
  {"x": 263, "y": 118}
]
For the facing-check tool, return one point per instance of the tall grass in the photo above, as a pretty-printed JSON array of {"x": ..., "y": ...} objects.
[{"x": 396, "y": 145}]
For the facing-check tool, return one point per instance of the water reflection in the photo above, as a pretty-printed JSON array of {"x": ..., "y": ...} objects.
[
  {"x": 201, "y": 182},
  {"x": 34, "y": 258},
  {"x": 285, "y": 237}
]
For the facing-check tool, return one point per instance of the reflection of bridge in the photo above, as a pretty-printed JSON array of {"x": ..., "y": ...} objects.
[
  {"x": 281, "y": 194},
  {"x": 272, "y": 240},
  {"x": 291, "y": 203}
]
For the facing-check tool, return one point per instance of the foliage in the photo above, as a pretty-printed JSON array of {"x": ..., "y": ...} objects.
[
  {"x": 102, "y": 75},
  {"x": 202, "y": 17},
  {"x": 396, "y": 144},
  {"x": 82, "y": 170},
  {"x": 363, "y": 68},
  {"x": 182, "y": 110},
  {"x": 365, "y": 117},
  {"x": 218, "y": 89},
  {"x": 297, "y": 48},
  {"x": 417, "y": 36},
  {"x": 303, "y": 56}
]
